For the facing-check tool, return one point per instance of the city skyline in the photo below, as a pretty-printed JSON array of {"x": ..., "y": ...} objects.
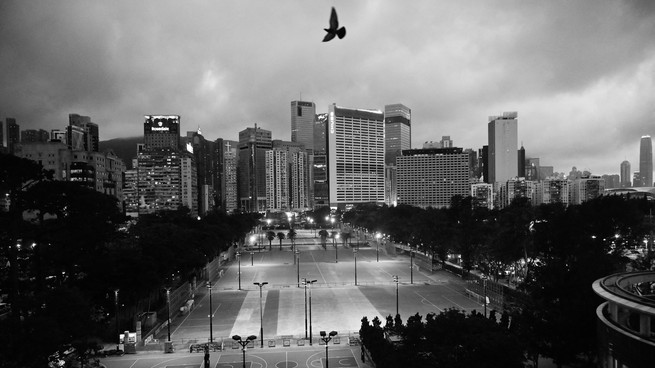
[{"x": 568, "y": 68}]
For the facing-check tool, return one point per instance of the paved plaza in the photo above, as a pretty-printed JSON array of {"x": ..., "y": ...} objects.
[{"x": 337, "y": 304}]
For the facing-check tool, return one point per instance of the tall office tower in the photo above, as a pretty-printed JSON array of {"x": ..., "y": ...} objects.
[
  {"x": 204, "y": 152},
  {"x": 646, "y": 161},
  {"x": 473, "y": 163},
  {"x": 189, "y": 182},
  {"x": 320, "y": 183},
  {"x": 34, "y": 135},
  {"x": 82, "y": 134},
  {"x": 302, "y": 123},
  {"x": 253, "y": 144},
  {"x": 397, "y": 137},
  {"x": 503, "y": 153},
  {"x": 532, "y": 169},
  {"x": 397, "y": 131},
  {"x": 483, "y": 195},
  {"x": 625, "y": 174},
  {"x": 521, "y": 159},
  {"x": 298, "y": 173},
  {"x": 356, "y": 156},
  {"x": 229, "y": 178},
  {"x": 431, "y": 177},
  {"x": 162, "y": 131},
  {"x": 10, "y": 133},
  {"x": 277, "y": 180}
]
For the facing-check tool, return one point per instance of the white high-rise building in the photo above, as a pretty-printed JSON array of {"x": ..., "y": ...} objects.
[
  {"x": 355, "y": 156},
  {"x": 503, "y": 147}
]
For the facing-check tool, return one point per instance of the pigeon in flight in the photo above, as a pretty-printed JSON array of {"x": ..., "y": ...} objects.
[{"x": 334, "y": 29}]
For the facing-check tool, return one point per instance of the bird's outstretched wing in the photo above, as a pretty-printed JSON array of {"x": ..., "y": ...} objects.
[
  {"x": 341, "y": 32},
  {"x": 334, "y": 21},
  {"x": 328, "y": 36}
]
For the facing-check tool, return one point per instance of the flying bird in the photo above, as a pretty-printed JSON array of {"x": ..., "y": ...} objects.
[{"x": 334, "y": 29}]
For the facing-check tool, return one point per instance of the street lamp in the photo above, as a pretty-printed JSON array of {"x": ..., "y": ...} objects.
[
  {"x": 377, "y": 247},
  {"x": 252, "y": 255},
  {"x": 484, "y": 283},
  {"x": 336, "y": 251},
  {"x": 310, "y": 282},
  {"x": 395, "y": 279},
  {"x": 326, "y": 338},
  {"x": 297, "y": 253},
  {"x": 211, "y": 333},
  {"x": 261, "y": 311},
  {"x": 117, "y": 331},
  {"x": 411, "y": 266},
  {"x": 243, "y": 344},
  {"x": 239, "y": 270},
  {"x": 355, "y": 254},
  {"x": 332, "y": 221},
  {"x": 168, "y": 312},
  {"x": 311, "y": 223}
]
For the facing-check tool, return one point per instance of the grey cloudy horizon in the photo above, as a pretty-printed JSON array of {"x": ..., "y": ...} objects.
[{"x": 580, "y": 74}]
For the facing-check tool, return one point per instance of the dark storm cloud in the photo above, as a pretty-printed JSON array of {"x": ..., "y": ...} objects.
[{"x": 567, "y": 67}]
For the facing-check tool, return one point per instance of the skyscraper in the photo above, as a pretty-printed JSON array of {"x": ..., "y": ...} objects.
[
  {"x": 82, "y": 134},
  {"x": 253, "y": 144},
  {"x": 162, "y": 131},
  {"x": 319, "y": 177},
  {"x": 646, "y": 161},
  {"x": 503, "y": 150},
  {"x": 355, "y": 156},
  {"x": 397, "y": 131},
  {"x": 521, "y": 162},
  {"x": 302, "y": 123},
  {"x": 10, "y": 134},
  {"x": 626, "y": 176}
]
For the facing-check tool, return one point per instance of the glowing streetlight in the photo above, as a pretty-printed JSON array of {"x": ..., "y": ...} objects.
[
  {"x": 377, "y": 246},
  {"x": 310, "y": 282}
]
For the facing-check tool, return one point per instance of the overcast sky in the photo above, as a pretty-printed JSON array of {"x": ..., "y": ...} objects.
[{"x": 581, "y": 74}]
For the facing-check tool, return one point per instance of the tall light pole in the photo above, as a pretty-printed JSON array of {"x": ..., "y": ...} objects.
[
  {"x": 261, "y": 311},
  {"x": 304, "y": 282},
  {"x": 484, "y": 282},
  {"x": 310, "y": 309},
  {"x": 326, "y": 338},
  {"x": 243, "y": 344},
  {"x": 395, "y": 279},
  {"x": 252, "y": 255},
  {"x": 118, "y": 334},
  {"x": 211, "y": 309},
  {"x": 355, "y": 254},
  {"x": 297, "y": 253},
  {"x": 411, "y": 266},
  {"x": 239, "y": 270},
  {"x": 377, "y": 247},
  {"x": 168, "y": 312},
  {"x": 336, "y": 251}
]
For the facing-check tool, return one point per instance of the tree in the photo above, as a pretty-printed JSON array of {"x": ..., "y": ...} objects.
[
  {"x": 270, "y": 235},
  {"x": 291, "y": 235},
  {"x": 280, "y": 236},
  {"x": 324, "y": 235}
]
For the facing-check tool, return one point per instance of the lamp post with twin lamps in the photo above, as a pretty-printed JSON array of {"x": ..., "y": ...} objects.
[
  {"x": 243, "y": 344},
  {"x": 310, "y": 282},
  {"x": 326, "y": 338},
  {"x": 261, "y": 311}
]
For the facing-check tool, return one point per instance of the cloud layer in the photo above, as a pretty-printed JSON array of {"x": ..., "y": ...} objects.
[{"x": 581, "y": 74}]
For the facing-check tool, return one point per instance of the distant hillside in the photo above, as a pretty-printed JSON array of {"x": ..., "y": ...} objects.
[{"x": 125, "y": 148}]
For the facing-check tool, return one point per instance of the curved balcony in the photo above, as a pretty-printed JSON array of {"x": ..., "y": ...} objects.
[{"x": 626, "y": 321}]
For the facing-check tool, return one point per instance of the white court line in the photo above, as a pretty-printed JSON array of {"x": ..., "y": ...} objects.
[
  {"x": 462, "y": 308},
  {"x": 424, "y": 298},
  {"x": 318, "y": 268}
]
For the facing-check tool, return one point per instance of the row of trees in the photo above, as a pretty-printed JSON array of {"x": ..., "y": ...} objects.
[
  {"x": 559, "y": 250},
  {"x": 65, "y": 249}
]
